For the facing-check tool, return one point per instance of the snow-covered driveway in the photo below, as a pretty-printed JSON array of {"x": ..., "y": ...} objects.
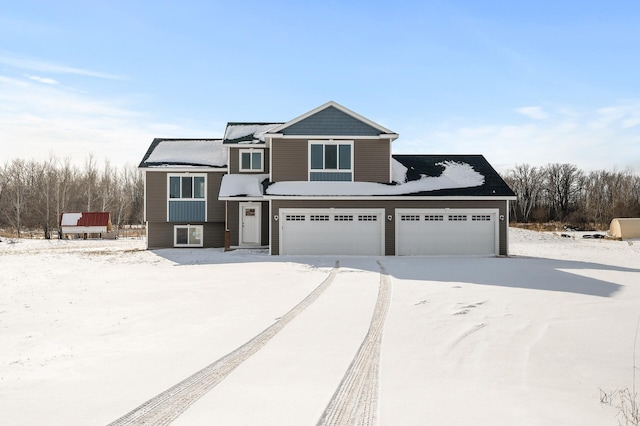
[{"x": 89, "y": 330}]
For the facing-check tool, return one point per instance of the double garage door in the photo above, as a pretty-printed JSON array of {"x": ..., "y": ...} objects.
[
  {"x": 361, "y": 231},
  {"x": 332, "y": 231},
  {"x": 446, "y": 232}
]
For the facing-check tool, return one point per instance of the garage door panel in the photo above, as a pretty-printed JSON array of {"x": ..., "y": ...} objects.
[
  {"x": 437, "y": 232},
  {"x": 331, "y": 231}
]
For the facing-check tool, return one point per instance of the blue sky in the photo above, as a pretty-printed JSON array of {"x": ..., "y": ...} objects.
[{"x": 520, "y": 82}]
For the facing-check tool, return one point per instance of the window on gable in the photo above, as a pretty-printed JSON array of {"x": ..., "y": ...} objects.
[
  {"x": 330, "y": 161},
  {"x": 186, "y": 187},
  {"x": 251, "y": 160}
]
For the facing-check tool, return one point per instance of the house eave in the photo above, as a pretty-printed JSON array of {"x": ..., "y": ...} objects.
[{"x": 389, "y": 197}]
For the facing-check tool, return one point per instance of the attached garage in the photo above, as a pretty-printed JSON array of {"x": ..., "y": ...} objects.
[
  {"x": 447, "y": 232},
  {"x": 332, "y": 231}
]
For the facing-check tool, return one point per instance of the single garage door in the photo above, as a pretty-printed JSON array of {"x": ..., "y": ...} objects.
[
  {"x": 446, "y": 232},
  {"x": 332, "y": 231}
]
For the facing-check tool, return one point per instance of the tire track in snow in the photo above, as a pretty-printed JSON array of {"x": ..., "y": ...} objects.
[
  {"x": 167, "y": 406},
  {"x": 355, "y": 402}
]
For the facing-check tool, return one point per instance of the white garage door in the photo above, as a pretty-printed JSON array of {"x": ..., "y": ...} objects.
[
  {"x": 332, "y": 231},
  {"x": 446, "y": 232}
]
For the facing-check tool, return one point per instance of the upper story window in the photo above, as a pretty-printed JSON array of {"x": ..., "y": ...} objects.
[
  {"x": 187, "y": 187},
  {"x": 331, "y": 160},
  {"x": 251, "y": 160}
]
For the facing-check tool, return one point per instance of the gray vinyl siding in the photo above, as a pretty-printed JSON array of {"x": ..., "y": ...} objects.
[
  {"x": 330, "y": 122},
  {"x": 390, "y": 206},
  {"x": 290, "y": 160},
  {"x": 371, "y": 160},
  {"x": 234, "y": 222},
  {"x": 161, "y": 234},
  {"x": 234, "y": 159}
]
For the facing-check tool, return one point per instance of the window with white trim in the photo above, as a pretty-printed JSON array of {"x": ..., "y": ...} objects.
[
  {"x": 187, "y": 235},
  {"x": 251, "y": 160},
  {"x": 187, "y": 187},
  {"x": 331, "y": 160}
]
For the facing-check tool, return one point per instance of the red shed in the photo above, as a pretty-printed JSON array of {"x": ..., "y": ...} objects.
[{"x": 85, "y": 223}]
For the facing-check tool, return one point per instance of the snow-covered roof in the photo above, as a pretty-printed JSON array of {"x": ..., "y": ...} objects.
[
  {"x": 85, "y": 219},
  {"x": 455, "y": 175},
  {"x": 185, "y": 152},
  {"x": 247, "y": 133},
  {"x": 249, "y": 185}
]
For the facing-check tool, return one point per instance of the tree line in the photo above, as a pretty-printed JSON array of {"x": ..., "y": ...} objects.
[
  {"x": 33, "y": 194},
  {"x": 563, "y": 192}
]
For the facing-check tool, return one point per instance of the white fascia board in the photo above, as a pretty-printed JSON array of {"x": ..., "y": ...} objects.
[
  {"x": 337, "y": 106},
  {"x": 244, "y": 145},
  {"x": 326, "y": 137},
  {"x": 384, "y": 197},
  {"x": 242, "y": 199},
  {"x": 171, "y": 169}
]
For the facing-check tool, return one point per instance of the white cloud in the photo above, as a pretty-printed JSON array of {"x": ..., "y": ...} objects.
[
  {"x": 43, "y": 80},
  {"x": 51, "y": 67},
  {"x": 604, "y": 138},
  {"x": 533, "y": 112},
  {"x": 41, "y": 120}
]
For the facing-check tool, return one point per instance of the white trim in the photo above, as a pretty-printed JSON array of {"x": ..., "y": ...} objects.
[
  {"x": 325, "y": 142},
  {"x": 330, "y": 210},
  {"x": 241, "y": 199},
  {"x": 175, "y": 235},
  {"x": 494, "y": 212},
  {"x": 258, "y": 208},
  {"x": 384, "y": 197},
  {"x": 339, "y": 107},
  {"x": 250, "y": 151},
  {"x": 382, "y": 136},
  {"x": 245, "y": 145},
  {"x": 270, "y": 227},
  {"x": 184, "y": 169},
  {"x": 506, "y": 232},
  {"x": 181, "y": 175}
]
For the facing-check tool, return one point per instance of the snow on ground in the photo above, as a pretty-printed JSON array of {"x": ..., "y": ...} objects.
[{"x": 91, "y": 329}]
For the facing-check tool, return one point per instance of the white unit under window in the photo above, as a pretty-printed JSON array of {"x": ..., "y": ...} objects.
[
  {"x": 188, "y": 235},
  {"x": 332, "y": 231},
  {"x": 447, "y": 232},
  {"x": 251, "y": 160}
]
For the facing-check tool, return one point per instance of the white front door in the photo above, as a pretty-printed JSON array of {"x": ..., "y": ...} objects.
[{"x": 250, "y": 219}]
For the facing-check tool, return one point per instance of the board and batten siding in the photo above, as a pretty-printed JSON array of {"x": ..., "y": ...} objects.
[
  {"x": 390, "y": 206},
  {"x": 371, "y": 160},
  {"x": 234, "y": 159}
]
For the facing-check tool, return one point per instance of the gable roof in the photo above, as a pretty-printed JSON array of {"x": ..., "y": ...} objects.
[
  {"x": 85, "y": 219},
  {"x": 331, "y": 119},
  {"x": 185, "y": 152},
  {"x": 247, "y": 133}
]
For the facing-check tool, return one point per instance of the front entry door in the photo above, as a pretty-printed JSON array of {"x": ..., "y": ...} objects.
[{"x": 250, "y": 219}]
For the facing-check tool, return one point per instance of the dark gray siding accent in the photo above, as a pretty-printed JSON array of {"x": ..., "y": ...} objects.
[
  {"x": 290, "y": 159},
  {"x": 390, "y": 206},
  {"x": 186, "y": 211},
  {"x": 156, "y": 196},
  {"x": 331, "y": 121},
  {"x": 330, "y": 176},
  {"x": 234, "y": 159},
  {"x": 371, "y": 161},
  {"x": 161, "y": 234},
  {"x": 233, "y": 222}
]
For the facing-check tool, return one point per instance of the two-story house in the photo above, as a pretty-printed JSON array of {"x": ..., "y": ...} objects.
[{"x": 325, "y": 182}]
